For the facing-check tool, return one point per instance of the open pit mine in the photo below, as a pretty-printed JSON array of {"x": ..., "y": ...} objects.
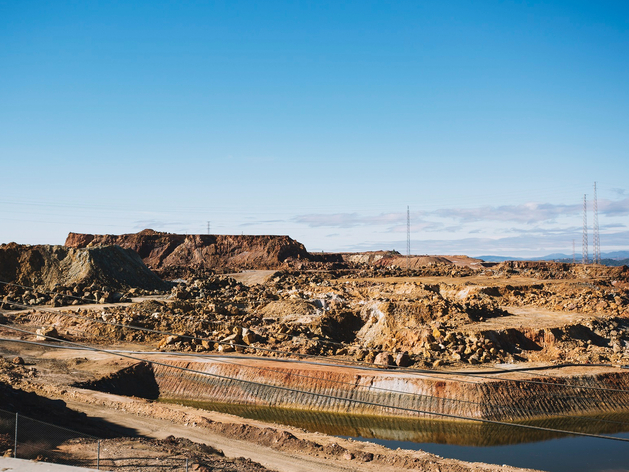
[{"x": 250, "y": 353}]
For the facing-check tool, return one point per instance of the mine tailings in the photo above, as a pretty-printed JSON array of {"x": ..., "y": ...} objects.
[{"x": 371, "y": 391}]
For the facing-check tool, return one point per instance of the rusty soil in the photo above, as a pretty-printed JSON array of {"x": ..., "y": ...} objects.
[{"x": 307, "y": 329}]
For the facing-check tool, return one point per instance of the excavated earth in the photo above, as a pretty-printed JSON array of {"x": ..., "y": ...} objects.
[
  {"x": 134, "y": 428},
  {"x": 371, "y": 335},
  {"x": 177, "y": 255},
  {"x": 58, "y": 275}
]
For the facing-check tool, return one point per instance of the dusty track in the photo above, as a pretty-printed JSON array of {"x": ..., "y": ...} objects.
[
  {"x": 188, "y": 423},
  {"x": 513, "y": 317},
  {"x": 231, "y": 447},
  {"x": 528, "y": 317},
  {"x": 276, "y": 447}
]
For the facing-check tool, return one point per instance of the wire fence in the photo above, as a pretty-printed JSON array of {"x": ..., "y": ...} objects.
[{"x": 22, "y": 437}]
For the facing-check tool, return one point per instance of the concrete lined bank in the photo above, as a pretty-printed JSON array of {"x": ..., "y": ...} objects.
[{"x": 340, "y": 389}]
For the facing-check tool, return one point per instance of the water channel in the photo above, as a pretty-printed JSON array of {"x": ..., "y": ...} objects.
[{"x": 469, "y": 441}]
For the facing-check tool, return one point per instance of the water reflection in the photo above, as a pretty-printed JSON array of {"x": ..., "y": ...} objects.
[{"x": 421, "y": 430}]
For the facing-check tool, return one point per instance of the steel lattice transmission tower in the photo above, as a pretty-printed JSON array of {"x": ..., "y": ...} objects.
[
  {"x": 596, "y": 243},
  {"x": 408, "y": 238},
  {"x": 586, "y": 256}
]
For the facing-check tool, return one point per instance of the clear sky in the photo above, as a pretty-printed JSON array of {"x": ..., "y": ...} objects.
[{"x": 320, "y": 120}]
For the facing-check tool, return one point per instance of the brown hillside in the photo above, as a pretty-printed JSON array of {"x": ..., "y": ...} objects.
[{"x": 165, "y": 251}]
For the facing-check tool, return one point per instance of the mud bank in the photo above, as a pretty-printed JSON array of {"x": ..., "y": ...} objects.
[{"x": 376, "y": 392}]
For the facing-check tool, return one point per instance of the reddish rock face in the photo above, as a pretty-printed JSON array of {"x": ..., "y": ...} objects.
[{"x": 164, "y": 251}]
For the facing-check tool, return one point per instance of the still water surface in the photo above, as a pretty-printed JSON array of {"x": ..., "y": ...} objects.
[{"x": 474, "y": 442}]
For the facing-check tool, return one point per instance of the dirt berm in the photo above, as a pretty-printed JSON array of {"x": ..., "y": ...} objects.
[
  {"x": 46, "y": 267},
  {"x": 179, "y": 255},
  {"x": 164, "y": 251}
]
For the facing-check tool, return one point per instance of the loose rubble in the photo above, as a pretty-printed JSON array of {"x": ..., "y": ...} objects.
[
  {"x": 367, "y": 309},
  {"x": 387, "y": 321}
]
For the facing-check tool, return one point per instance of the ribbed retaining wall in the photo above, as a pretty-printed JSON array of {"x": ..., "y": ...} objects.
[
  {"x": 375, "y": 392},
  {"x": 421, "y": 430}
]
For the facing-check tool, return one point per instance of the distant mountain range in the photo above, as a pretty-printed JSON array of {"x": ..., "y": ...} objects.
[{"x": 607, "y": 258}]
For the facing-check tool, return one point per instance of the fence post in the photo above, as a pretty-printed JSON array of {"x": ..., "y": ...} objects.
[
  {"x": 186, "y": 464},
  {"x": 98, "y": 455},
  {"x": 15, "y": 444}
]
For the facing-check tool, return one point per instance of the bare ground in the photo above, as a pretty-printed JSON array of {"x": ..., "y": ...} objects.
[
  {"x": 434, "y": 318},
  {"x": 274, "y": 447}
]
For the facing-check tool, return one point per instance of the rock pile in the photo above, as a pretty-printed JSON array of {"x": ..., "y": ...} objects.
[
  {"x": 579, "y": 297},
  {"x": 57, "y": 267},
  {"x": 13, "y": 370},
  {"x": 388, "y": 322},
  {"x": 67, "y": 295},
  {"x": 559, "y": 270}
]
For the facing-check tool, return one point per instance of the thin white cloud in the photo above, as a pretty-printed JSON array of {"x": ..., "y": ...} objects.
[
  {"x": 621, "y": 192},
  {"x": 394, "y": 222},
  {"x": 260, "y": 222},
  {"x": 350, "y": 220},
  {"x": 526, "y": 230},
  {"x": 153, "y": 224},
  {"x": 421, "y": 227},
  {"x": 567, "y": 232},
  {"x": 614, "y": 207},
  {"x": 525, "y": 213},
  {"x": 612, "y": 226},
  {"x": 514, "y": 246}
]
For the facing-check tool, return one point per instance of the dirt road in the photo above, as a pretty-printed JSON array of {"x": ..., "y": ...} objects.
[
  {"x": 336, "y": 455},
  {"x": 160, "y": 429}
]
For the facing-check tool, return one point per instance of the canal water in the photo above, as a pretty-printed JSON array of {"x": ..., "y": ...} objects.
[{"x": 468, "y": 441}]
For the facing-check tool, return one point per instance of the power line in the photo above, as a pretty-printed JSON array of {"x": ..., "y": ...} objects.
[
  {"x": 429, "y": 373},
  {"x": 266, "y": 369},
  {"x": 323, "y": 395},
  {"x": 506, "y": 409},
  {"x": 421, "y": 373},
  {"x": 418, "y": 372},
  {"x": 447, "y": 200}
]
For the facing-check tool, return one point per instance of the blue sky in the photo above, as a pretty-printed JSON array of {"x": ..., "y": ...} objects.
[{"x": 320, "y": 120}]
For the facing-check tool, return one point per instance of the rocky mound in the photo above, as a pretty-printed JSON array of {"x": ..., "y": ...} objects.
[
  {"x": 389, "y": 263},
  {"x": 170, "y": 253},
  {"x": 391, "y": 258},
  {"x": 48, "y": 267},
  {"x": 183, "y": 256},
  {"x": 562, "y": 270}
]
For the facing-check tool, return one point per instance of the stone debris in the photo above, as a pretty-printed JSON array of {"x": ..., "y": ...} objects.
[
  {"x": 365, "y": 307},
  {"x": 43, "y": 334},
  {"x": 60, "y": 276},
  {"x": 389, "y": 322}
]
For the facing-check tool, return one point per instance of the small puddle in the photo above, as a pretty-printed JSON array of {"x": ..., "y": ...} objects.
[{"x": 469, "y": 441}]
